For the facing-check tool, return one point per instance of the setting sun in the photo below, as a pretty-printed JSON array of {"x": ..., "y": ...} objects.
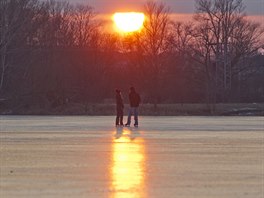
[{"x": 128, "y": 21}]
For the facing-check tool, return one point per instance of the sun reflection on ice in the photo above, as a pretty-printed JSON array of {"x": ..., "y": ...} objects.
[{"x": 128, "y": 164}]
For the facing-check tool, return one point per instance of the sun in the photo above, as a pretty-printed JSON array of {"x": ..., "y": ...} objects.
[{"x": 128, "y": 21}]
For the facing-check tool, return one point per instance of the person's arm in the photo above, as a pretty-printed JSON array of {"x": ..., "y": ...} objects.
[
  {"x": 130, "y": 98},
  {"x": 139, "y": 99},
  {"x": 122, "y": 102}
]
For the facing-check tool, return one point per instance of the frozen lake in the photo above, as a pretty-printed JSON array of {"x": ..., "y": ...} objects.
[{"x": 166, "y": 157}]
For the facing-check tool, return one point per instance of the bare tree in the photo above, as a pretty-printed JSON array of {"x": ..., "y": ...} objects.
[
  {"x": 153, "y": 43},
  {"x": 84, "y": 23},
  {"x": 16, "y": 23},
  {"x": 57, "y": 30},
  {"x": 191, "y": 55},
  {"x": 223, "y": 30}
]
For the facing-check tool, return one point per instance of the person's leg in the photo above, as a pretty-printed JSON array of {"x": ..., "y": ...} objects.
[
  {"x": 118, "y": 115},
  {"x": 121, "y": 117},
  {"x": 117, "y": 120},
  {"x": 136, "y": 116},
  {"x": 129, "y": 116}
]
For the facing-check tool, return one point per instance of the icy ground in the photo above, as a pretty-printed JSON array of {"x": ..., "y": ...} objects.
[{"x": 166, "y": 157}]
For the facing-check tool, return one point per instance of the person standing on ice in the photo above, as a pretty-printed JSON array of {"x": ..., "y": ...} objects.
[
  {"x": 134, "y": 100},
  {"x": 119, "y": 108}
]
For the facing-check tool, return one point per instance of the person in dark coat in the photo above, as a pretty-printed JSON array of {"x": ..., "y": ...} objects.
[
  {"x": 134, "y": 100},
  {"x": 119, "y": 108}
]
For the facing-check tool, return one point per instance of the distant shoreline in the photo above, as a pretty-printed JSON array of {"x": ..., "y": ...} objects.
[{"x": 236, "y": 109}]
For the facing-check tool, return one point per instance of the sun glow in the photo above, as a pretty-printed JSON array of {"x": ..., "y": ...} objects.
[{"x": 129, "y": 21}]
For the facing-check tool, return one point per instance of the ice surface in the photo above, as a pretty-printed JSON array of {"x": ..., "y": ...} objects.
[{"x": 185, "y": 157}]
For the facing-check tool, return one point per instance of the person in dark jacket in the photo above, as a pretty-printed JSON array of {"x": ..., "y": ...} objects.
[
  {"x": 119, "y": 108},
  {"x": 134, "y": 100}
]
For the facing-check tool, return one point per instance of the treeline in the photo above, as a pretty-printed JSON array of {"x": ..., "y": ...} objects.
[{"x": 53, "y": 53}]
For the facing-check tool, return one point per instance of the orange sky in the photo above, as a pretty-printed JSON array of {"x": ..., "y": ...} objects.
[
  {"x": 182, "y": 17},
  {"x": 253, "y": 7},
  {"x": 181, "y": 10}
]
